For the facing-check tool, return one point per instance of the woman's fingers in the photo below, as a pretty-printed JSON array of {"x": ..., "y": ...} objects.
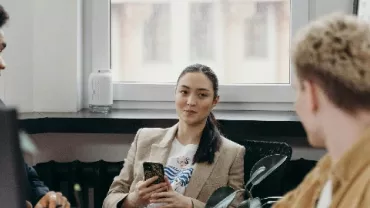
[
  {"x": 149, "y": 181},
  {"x": 165, "y": 188},
  {"x": 162, "y": 195},
  {"x": 150, "y": 189},
  {"x": 147, "y": 192},
  {"x": 166, "y": 201},
  {"x": 168, "y": 183}
]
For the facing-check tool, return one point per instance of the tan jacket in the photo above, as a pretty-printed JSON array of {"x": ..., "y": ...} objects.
[
  {"x": 154, "y": 144},
  {"x": 350, "y": 178}
]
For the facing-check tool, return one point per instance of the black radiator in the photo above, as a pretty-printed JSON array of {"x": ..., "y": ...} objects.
[{"x": 93, "y": 177}]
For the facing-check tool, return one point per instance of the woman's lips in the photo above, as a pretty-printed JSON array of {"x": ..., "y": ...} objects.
[{"x": 190, "y": 111}]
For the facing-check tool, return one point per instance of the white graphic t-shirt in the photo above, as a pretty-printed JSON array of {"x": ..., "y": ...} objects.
[{"x": 179, "y": 167}]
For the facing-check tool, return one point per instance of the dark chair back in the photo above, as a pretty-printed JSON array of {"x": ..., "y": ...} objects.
[
  {"x": 255, "y": 150},
  {"x": 296, "y": 171}
]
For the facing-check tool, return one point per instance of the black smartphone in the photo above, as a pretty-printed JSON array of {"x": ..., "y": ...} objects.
[{"x": 152, "y": 169}]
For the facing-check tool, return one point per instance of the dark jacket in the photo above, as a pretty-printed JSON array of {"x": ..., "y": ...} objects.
[{"x": 37, "y": 188}]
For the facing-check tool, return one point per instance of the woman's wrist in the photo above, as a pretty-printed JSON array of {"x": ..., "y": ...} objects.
[{"x": 128, "y": 201}]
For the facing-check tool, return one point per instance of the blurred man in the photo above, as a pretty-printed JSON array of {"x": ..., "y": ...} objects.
[
  {"x": 40, "y": 195},
  {"x": 332, "y": 62},
  {"x": 3, "y": 19}
]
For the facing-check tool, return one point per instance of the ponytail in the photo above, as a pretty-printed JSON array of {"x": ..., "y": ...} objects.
[
  {"x": 210, "y": 141},
  {"x": 212, "y": 120}
]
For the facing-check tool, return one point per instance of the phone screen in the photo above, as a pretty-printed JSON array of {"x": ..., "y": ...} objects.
[{"x": 154, "y": 169}]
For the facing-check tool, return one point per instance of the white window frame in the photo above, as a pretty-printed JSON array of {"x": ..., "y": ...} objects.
[{"x": 161, "y": 96}]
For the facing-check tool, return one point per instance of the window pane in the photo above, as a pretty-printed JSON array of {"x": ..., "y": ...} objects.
[
  {"x": 156, "y": 34},
  {"x": 256, "y": 29},
  {"x": 245, "y": 41},
  {"x": 201, "y": 31}
]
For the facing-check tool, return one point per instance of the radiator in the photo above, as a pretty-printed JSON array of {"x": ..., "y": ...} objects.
[{"x": 93, "y": 177}]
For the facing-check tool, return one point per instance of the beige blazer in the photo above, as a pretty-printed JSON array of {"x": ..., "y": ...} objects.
[{"x": 154, "y": 144}]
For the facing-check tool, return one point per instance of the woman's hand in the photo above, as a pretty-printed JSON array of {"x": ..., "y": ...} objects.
[
  {"x": 171, "y": 198},
  {"x": 143, "y": 191}
]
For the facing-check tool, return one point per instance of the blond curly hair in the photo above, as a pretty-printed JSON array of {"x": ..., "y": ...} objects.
[{"x": 334, "y": 51}]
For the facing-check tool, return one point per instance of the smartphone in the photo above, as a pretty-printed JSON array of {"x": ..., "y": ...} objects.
[{"x": 152, "y": 169}]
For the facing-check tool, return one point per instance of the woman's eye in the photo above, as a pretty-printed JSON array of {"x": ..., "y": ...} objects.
[
  {"x": 203, "y": 95},
  {"x": 183, "y": 92}
]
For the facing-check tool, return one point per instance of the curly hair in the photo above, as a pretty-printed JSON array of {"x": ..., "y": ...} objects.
[
  {"x": 334, "y": 52},
  {"x": 4, "y": 17}
]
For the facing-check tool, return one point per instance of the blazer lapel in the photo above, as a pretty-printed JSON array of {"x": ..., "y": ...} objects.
[
  {"x": 199, "y": 177},
  {"x": 159, "y": 152}
]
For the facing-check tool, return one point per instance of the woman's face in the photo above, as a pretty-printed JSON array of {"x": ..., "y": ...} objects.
[{"x": 194, "y": 98}]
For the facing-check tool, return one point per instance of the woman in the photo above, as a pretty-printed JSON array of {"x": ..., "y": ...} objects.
[{"x": 197, "y": 159}]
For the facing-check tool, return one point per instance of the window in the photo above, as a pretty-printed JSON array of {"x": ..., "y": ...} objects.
[
  {"x": 202, "y": 25},
  {"x": 256, "y": 32},
  {"x": 245, "y": 42},
  {"x": 157, "y": 34}
]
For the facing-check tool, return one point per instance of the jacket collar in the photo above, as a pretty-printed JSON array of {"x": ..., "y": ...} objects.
[{"x": 159, "y": 152}]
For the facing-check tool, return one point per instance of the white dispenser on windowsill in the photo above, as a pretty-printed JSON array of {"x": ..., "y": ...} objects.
[{"x": 100, "y": 91}]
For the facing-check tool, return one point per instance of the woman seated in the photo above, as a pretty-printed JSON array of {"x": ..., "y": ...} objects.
[{"x": 196, "y": 157}]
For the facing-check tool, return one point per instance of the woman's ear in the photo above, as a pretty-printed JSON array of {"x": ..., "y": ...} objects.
[{"x": 215, "y": 101}]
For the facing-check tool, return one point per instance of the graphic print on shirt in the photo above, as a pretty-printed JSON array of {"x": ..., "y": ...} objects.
[
  {"x": 179, "y": 172},
  {"x": 179, "y": 167}
]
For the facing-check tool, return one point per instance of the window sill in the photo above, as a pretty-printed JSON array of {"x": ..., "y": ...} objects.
[{"x": 238, "y": 125}]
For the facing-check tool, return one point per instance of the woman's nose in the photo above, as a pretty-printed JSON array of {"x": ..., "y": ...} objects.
[{"x": 191, "y": 100}]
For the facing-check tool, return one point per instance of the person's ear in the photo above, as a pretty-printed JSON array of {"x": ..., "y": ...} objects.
[
  {"x": 313, "y": 95},
  {"x": 216, "y": 100}
]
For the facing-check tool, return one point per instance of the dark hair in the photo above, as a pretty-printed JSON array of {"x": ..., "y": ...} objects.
[
  {"x": 4, "y": 17},
  {"x": 210, "y": 140}
]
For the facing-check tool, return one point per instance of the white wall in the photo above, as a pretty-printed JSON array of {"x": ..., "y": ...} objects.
[
  {"x": 17, "y": 81},
  {"x": 44, "y": 56}
]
